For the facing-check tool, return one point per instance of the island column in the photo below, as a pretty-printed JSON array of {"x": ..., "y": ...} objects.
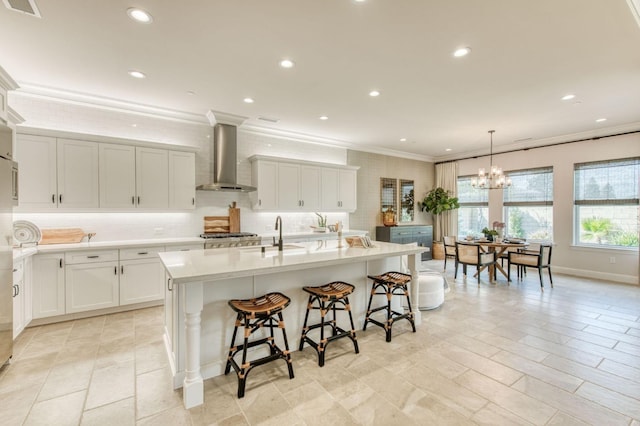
[{"x": 193, "y": 387}]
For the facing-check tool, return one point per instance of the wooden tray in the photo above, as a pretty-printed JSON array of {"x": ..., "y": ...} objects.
[{"x": 62, "y": 236}]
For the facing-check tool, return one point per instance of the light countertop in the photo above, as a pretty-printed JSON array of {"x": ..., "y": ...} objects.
[{"x": 215, "y": 264}]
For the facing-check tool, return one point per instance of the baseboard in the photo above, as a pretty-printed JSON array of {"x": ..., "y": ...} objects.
[{"x": 606, "y": 276}]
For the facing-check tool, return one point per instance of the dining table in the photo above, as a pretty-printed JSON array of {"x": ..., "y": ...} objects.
[{"x": 499, "y": 248}]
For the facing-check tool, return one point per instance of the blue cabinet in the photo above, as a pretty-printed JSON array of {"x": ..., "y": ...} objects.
[{"x": 421, "y": 234}]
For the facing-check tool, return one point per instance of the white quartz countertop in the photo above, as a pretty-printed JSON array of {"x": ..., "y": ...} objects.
[
  {"x": 311, "y": 234},
  {"x": 221, "y": 263},
  {"x": 53, "y": 248}
]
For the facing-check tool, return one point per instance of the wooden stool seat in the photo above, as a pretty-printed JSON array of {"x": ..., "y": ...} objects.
[
  {"x": 390, "y": 284},
  {"x": 327, "y": 298},
  {"x": 255, "y": 314}
]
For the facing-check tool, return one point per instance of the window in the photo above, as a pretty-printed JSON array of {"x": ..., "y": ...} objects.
[
  {"x": 606, "y": 197},
  {"x": 473, "y": 214},
  {"x": 528, "y": 204}
]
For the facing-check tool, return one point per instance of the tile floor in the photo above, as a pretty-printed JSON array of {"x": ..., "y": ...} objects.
[{"x": 493, "y": 354}]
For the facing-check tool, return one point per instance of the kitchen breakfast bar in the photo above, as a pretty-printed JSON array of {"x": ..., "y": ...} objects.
[{"x": 199, "y": 322}]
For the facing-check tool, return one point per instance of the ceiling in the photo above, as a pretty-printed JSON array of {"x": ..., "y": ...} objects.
[{"x": 525, "y": 56}]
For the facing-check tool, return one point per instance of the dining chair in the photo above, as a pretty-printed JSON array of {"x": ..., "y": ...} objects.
[
  {"x": 531, "y": 258},
  {"x": 449, "y": 249},
  {"x": 472, "y": 254}
]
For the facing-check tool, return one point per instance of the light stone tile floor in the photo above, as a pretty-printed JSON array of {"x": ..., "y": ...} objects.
[{"x": 493, "y": 354}]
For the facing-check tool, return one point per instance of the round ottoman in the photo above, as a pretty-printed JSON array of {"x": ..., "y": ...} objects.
[{"x": 431, "y": 291}]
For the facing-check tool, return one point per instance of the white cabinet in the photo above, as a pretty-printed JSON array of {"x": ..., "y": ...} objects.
[
  {"x": 4, "y": 106},
  {"x": 298, "y": 187},
  {"x": 141, "y": 275},
  {"x": 264, "y": 176},
  {"x": 91, "y": 280},
  {"x": 57, "y": 173},
  {"x": 48, "y": 285},
  {"x": 152, "y": 178},
  {"x": 182, "y": 180},
  {"x": 78, "y": 179},
  {"x": 117, "y": 176},
  {"x": 339, "y": 191},
  {"x": 37, "y": 173},
  {"x": 18, "y": 298},
  {"x": 293, "y": 185}
]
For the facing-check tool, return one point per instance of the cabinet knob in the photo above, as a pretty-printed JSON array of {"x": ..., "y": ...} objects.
[
  {"x": 193, "y": 201},
  {"x": 138, "y": 200},
  {"x": 53, "y": 198},
  {"x": 122, "y": 269},
  {"x": 115, "y": 270},
  {"x": 60, "y": 198},
  {"x": 60, "y": 262},
  {"x": 133, "y": 200}
]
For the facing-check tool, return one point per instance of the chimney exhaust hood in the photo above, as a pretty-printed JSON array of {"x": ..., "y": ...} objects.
[{"x": 224, "y": 155}]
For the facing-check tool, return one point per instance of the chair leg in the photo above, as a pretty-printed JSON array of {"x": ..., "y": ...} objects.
[
  {"x": 455, "y": 273},
  {"x": 540, "y": 275},
  {"x": 508, "y": 272},
  {"x": 550, "y": 277},
  {"x": 286, "y": 345}
]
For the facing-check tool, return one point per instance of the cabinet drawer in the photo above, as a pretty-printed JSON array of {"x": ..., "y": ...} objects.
[
  {"x": 185, "y": 247},
  {"x": 140, "y": 252},
  {"x": 90, "y": 256},
  {"x": 400, "y": 232}
]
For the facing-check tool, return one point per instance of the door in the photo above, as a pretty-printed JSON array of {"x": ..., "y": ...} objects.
[
  {"x": 48, "y": 285},
  {"x": 182, "y": 180},
  {"x": 91, "y": 286},
  {"x": 37, "y": 156},
  {"x": 117, "y": 176},
  {"x": 78, "y": 176},
  {"x": 152, "y": 178}
]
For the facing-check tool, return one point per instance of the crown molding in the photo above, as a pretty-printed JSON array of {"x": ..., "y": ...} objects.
[
  {"x": 6, "y": 81},
  {"x": 109, "y": 104}
]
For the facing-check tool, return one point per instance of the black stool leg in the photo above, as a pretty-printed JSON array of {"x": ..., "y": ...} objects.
[
  {"x": 411, "y": 318},
  {"x": 242, "y": 374},
  {"x": 227, "y": 368},
  {"x": 389, "y": 324},
  {"x": 286, "y": 352},
  {"x": 366, "y": 318},
  {"x": 304, "y": 327},
  {"x": 322, "y": 343},
  {"x": 347, "y": 307}
]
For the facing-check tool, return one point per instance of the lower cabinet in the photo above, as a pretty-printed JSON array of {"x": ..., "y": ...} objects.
[
  {"x": 48, "y": 285},
  {"x": 406, "y": 234},
  {"x": 141, "y": 275},
  {"x": 22, "y": 295},
  {"x": 91, "y": 286}
]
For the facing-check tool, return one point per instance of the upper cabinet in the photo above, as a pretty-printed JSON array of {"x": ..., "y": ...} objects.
[
  {"x": 57, "y": 173},
  {"x": 289, "y": 185},
  {"x": 6, "y": 84}
]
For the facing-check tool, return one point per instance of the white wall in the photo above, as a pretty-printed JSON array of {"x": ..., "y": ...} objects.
[{"x": 568, "y": 258}]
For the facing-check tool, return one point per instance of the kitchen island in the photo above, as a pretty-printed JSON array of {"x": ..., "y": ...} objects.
[{"x": 199, "y": 323}]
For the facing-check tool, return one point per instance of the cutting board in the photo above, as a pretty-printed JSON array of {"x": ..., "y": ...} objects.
[
  {"x": 234, "y": 219},
  {"x": 62, "y": 236},
  {"x": 216, "y": 224}
]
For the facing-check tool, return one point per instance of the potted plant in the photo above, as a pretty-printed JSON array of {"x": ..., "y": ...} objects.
[
  {"x": 436, "y": 202},
  {"x": 489, "y": 234}
]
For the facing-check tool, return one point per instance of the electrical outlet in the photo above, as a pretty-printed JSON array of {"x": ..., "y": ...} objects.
[{"x": 612, "y": 259}]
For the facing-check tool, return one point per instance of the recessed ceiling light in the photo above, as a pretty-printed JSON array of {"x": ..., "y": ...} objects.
[
  {"x": 323, "y": 117},
  {"x": 137, "y": 74},
  {"x": 403, "y": 139},
  {"x": 139, "y": 15},
  {"x": 448, "y": 149},
  {"x": 374, "y": 93},
  {"x": 568, "y": 97},
  {"x": 287, "y": 63},
  {"x": 600, "y": 120},
  {"x": 248, "y": 100},
  {"x": 359, "y": 1},
  {"x": 464, "y": 51},
  {"x": 134, "y": 125},
  {"x": 190, "y": 92}
]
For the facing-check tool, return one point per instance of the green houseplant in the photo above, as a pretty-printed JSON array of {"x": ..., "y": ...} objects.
[{"x": 438, "y": 201}]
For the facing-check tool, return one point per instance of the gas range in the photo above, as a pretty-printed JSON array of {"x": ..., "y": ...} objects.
[{"x": 226, "y": 239}]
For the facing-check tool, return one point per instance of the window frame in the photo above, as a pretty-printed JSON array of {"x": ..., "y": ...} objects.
[{"x": 481, "y": 204}]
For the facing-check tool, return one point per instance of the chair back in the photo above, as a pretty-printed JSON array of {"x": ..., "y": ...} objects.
[
  {"x": 545, "y": 254},
  {"x": 467, "y": 253},
  {"x": 450, "y": 245}
]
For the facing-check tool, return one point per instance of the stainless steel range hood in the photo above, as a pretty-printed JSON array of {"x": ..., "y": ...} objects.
[{"x": 224, "y": 155}]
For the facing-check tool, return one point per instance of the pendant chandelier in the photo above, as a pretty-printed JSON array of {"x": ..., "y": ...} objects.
[{"x": 495, "y": 178}]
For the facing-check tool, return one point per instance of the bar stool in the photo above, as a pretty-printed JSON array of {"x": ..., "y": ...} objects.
[
  {"x": 254, "y": 314},
  {"x": 327, "y": 297},
  {"x": 391, "y": 283}
]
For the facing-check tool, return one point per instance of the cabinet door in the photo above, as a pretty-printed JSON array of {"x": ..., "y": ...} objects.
[
  {"x": 27, "y": 281},
  {"x": 78, "y": 176},
  {"x": 152, "y": 178},
  {"x": 141, "y": 281},
  {"x": 18, "y": 298},
  {"x": 117, "y": 176},
  {"x": 182, "y": 180},
  {"x": 288, "y": 187},
  {"x": 48, "y": 285},
  {"x": 90, "y": 286},
  {"x": 329, "y": 189},
  {"x": 265, "y": 178},
  {"x": 348, "y": 190},
  {"x": 310, "y": 188},
  {"x": 37, "y": 172}
]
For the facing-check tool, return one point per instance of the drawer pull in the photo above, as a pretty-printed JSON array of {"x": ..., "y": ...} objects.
[
  {"x": 169, "y": 286},
  {"x": 95, "y": 256},
  {"x": 53, "y": 198},
  {"x": 115, "y": 270},
  {"x": 60, "y": 198},
  {"x": 143, "y": 253},
  {"x": 122, "y": 269},
  {"x": 61, "y": 262},
  {"x": 133, "y": 200}
]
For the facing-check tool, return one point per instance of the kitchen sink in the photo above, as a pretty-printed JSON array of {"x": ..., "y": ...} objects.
[{"x": 270, "y": 248}]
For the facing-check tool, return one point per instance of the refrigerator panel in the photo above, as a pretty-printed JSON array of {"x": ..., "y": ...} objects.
[{"x": 6, "y": 249}]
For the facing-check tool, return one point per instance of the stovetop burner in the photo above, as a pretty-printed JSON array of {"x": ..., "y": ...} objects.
[{"x": 227, "y": 235}]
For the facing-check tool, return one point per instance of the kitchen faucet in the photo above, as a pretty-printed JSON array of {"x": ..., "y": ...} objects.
[{"x": 279, "y": 219}]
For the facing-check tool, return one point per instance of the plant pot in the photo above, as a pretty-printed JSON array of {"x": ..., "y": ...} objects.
[{"x": 438, "y": 250}]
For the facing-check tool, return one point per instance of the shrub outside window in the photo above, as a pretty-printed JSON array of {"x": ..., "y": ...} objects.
[
  {"x": 528, "y": 204},
  {"x": 606, "y": 200},
  {"x": 473, "y": 214}
]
